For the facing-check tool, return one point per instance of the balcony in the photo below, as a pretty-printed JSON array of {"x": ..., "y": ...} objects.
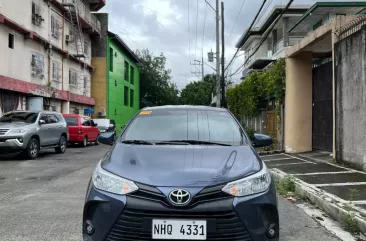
[
  {"x": 88, "y": 20},
  {"x": 279, "y": 47}
]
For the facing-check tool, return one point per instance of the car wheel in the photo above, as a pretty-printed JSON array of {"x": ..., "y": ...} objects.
[
  {"x": 32, "y": 150},
  {"x": 97, "y": 141},
  {"x": 85, "y": 142},
  {"x": 61, "y": 145}
]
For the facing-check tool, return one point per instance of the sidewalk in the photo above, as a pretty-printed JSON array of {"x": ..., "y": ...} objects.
[{"x": 337, "y": 190}]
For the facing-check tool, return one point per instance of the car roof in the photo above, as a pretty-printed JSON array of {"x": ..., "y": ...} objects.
[
  {"x": 74, "y": 115},
  {"x": 185, "y": 107}
]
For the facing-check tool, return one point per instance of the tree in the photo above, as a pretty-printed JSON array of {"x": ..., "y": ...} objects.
[
  {"x": 156, "y": 87},
  {"x": 199, "y": 92}
]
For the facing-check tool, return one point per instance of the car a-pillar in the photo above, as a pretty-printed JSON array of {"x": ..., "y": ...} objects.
[{"x": 298, "y": 103}]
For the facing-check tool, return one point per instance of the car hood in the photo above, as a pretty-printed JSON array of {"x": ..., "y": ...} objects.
[
  {"x": 182, "y": 165},
  {"x": 12, "y": 125}
]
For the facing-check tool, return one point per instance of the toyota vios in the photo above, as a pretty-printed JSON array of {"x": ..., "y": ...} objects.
[{"x": 182, "y": 173}]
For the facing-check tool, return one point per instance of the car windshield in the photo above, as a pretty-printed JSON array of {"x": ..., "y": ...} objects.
[
  {"x": 185, "y": 125},
  {"x": 102, "y": 122},
  {"x": 25, "y": 117}
]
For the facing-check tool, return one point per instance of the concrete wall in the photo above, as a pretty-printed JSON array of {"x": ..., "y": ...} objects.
[
  {"x": 117, "y": 109},
  {"x": 350, "y": 75},
  {"x": 298, "y": 103},
  {"x": 99, "y": 46}
]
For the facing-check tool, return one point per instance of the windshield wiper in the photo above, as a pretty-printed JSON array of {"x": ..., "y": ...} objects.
[
  {"x": 195, "y": 142},
  {"x": 173, "y": 143},
  {"x": 137, "y": 142}
]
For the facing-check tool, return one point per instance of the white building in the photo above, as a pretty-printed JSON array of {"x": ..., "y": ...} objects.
[
  {"x": 277, "y": 41},
  {"x": 45, "y": 51}
]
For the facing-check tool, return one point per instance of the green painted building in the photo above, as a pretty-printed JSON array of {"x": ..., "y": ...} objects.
[{"x": 116, "y": 83}]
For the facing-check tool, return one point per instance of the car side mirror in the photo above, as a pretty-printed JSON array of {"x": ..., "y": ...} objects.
[
  {"x": 261, "y": 140},
  {"x": 42, "y": 122},
  {"x": 95, "y": 124},
  {"x": 111, "y": 126}
]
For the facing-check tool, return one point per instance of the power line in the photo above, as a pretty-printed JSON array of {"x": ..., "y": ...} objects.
[
  {"x": 189, "y": 34},
  {"x": 195, "y": 50},
  {"x": 204, "y": 26},
  {"x": 266, "y": 35},
  {"x": 263, "y": 12},
  {"x": 237, "y": 17},
  {"x": 210, "y": 6},
  {"x": 248, "y": 31}
]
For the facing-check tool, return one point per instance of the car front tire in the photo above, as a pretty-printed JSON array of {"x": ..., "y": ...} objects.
[
  {"x": 33, "y": 148},
  {"x": 62, "y": 144},
  {"x": 97, "y": 141}
]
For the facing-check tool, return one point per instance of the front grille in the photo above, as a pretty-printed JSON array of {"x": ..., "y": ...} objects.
[
  {"x": 208, "y": 194},
  {"x": 3, "y": 131},
  {"x": 134, "y": 224}
]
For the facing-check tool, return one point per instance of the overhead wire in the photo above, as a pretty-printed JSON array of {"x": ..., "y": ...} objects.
[
  {"x": 195, "y": 50},
  {"x": 266, "y": 36},
  {"x": 236, "y": 20},
  {"x": 203, "y": 31},
  {"x": 249, "y": 29}
]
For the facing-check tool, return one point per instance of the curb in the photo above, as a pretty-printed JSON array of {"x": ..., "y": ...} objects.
[
  {"x": 323, "y": 200},
  {"x": 265, "y": 153}
]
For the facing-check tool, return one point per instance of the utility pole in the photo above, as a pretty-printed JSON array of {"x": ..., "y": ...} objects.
[
  {"x": 203, "y": 68},
  {"x": 223, "y": 103},
  {"x": 218, "y": 96}
]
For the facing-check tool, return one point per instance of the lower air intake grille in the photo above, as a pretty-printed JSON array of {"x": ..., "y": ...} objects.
[{"x": 131, "y": 225}]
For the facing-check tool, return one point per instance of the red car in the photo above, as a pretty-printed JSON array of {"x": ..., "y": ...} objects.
[{"x": 82, "y": 129}]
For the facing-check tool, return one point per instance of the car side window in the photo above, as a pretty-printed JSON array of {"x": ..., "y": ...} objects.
[
  {"x": 45, "y": 119},
  {"x": 52, "y": 119},
  {"x": 85, "y": 121}
]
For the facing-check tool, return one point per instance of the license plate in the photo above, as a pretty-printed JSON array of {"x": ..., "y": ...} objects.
[{"x": 179, "y": 229}]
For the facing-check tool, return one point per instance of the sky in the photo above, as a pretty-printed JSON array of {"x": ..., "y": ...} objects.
[{"x": 183, "y": 30}]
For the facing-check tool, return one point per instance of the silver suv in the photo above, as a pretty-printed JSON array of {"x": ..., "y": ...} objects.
[{"x": 29, "y": 131}]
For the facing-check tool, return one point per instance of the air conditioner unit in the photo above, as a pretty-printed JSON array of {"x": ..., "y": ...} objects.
[{"x": 69, "y": 38}]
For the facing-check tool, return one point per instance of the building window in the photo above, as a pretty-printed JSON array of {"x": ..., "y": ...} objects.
[
  {"x": 86, "y": 81},
  {"x": 111, "y": 59},
  {"x": 86, "y": 48},
  {"x": 36, "y": 14},
  {"x": 56, "y": 71},
  {"x": 37, "y": 64},
  {"x": 11, "y": 41},
  {"x": 132, "y": 75},
  {"x": 73, "y": 77},
  {"x": 53, "y": 108},
  {"x": 126, "y": 96},
  {"x": 55, "y": 27},
  {"x": 131, "y": 98},
  {"x": 115, "y": 82},
  {"x": 127, "y": 68}
]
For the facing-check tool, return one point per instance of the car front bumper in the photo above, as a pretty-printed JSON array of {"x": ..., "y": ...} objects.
[
  {"x": 129, "y": 217},
  {"x": 11, "y": 144}
]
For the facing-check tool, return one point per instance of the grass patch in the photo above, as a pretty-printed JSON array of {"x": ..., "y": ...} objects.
[
  {"x": 354, "y": 194},
  {"x": 287, "y": 184},
  {"x": 350, "y": 225}
]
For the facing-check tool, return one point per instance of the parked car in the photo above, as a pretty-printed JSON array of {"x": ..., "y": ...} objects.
[
  {"x": 30, "y": 131},
  {"x": 187, "y": 173},
  {"x": 105, "y": 125},
  {"x": 82, "y": 129}
]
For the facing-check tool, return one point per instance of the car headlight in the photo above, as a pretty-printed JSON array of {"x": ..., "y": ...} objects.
[
  {"x": 256, "y": 183},
  {"x": 20, "y": 130},
  {"x": 109, "y": 182}
]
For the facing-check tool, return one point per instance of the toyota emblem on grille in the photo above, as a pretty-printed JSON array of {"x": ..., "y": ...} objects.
[{"x": 179, "y": 196}]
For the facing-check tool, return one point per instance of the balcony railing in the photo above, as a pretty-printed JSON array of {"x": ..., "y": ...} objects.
[
  {"x": 85, "y": 13},
  {"x": 280, "y": 44}
]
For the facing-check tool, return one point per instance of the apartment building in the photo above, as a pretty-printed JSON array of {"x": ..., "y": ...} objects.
[
  {"x": 45, "y": 54},
  {"x": 259, "y": 54}
]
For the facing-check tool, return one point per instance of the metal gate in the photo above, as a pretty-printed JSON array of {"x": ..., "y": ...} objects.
[{"x": 323, "y": 107}]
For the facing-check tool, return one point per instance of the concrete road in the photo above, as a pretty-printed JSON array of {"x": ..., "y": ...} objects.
[{"x": 43, "y": 199}]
